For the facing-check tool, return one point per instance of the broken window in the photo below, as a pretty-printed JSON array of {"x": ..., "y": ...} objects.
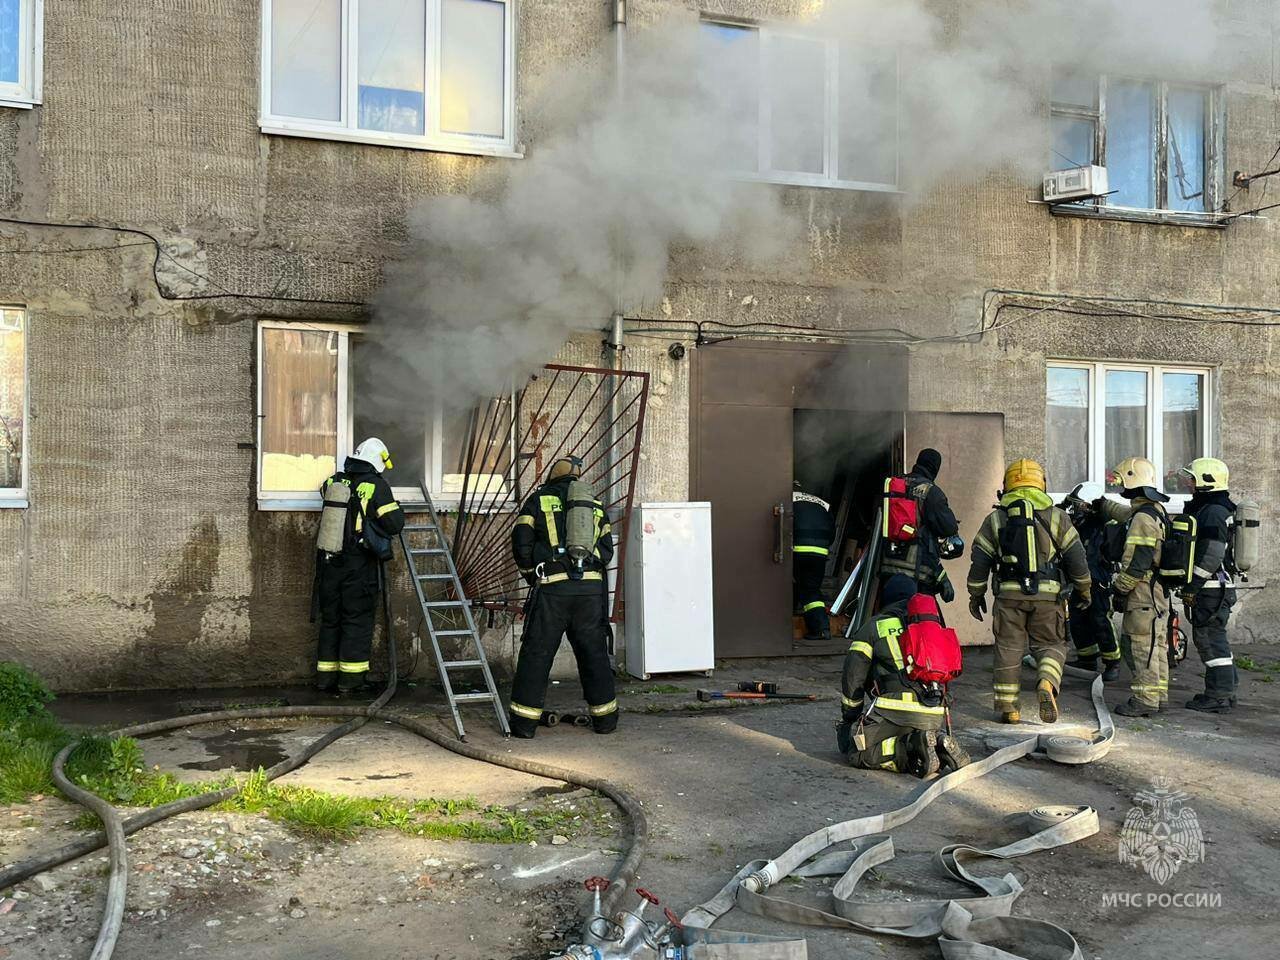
[
  {"x": 19, "y": 53},
  {"x": 13, "y": 406},
  {"x": 1098, "y": 414},
  {"x": 432, "y": 74},
  {"x": 1156, "y": 139},
  {"x": 802, "y": 109}
]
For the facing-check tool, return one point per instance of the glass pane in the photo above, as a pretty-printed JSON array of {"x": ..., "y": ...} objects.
[
  {"x": 1075, "y": 89},
  {"x": 1187, "y": 108},
  {"x": 486, "y": 458},
  {"x": 730, "y": 74},
  {"x": 306, "y": 59},
  {"x": 1073, "y": 143},
  {"x": 868, "y": 116},
  {"x": 1130, "y": 151},
  {"x": 472, "y": 67},
  {"x": 389, "y": 401},
  {"x": 392, "y": 66},
  {"x": 797, "y": 102},
  {"x": 299, "y": 408},
  {"x": 1126, "y": 392},
  {"x": 10, "y": 40},
  {"x": 13, "y": 390},
  {"x": 1183, "y": 426},
  {"x": 1066, "y": 427}
]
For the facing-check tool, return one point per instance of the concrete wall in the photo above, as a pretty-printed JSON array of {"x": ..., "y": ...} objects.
[{"x": 142, "y": 560}]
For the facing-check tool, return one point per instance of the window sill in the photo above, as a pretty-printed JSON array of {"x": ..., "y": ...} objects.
[
  {"x": 813, "y": 180},
  {"x": 296, "y": 504},
  {"x": 280, "y": 128},
  {"x": 18, "y": 103},
  {"x": 14, "y": 503},
  {"x": 1168, "y": 218}
]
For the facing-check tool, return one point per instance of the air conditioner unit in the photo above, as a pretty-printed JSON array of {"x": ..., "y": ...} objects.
[{"x": 1078, "y": 183}]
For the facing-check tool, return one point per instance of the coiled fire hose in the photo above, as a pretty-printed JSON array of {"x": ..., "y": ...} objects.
[{"x": 116, "y": 828}]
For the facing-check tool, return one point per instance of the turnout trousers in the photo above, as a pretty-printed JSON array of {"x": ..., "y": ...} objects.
[
  {"x": 348, "y": 600},
  {"x": 1142, "y": 642},
  {"x": 1092, "y": 631},
  {"x": 1021, "y": 625},
  {"x": 807, "y": 571},
  {"x": 1210, "y": 610},
  {"x": 886, "y": 748},
  {"x": 580, "y": 616}
]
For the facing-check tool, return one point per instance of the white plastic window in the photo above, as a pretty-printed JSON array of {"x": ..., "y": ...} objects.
[
  {"x": 13, "y": 407},
  {"x": 1098, "y": 414},
  {"x": 20, "y": 52},
  {"x": 426, "y": 74},
  {"x": 801, "y": 109}
]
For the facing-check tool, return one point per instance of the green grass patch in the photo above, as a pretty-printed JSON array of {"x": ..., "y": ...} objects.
[
  {"x": 656, "y": 688},
  {"x": 1246, "y": 662}
]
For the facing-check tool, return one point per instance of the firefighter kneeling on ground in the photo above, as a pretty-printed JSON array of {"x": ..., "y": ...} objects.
[
  {"x": 562, "y": 544},
  {"x": 890, "y": 721},
  {"x": 1034, "y": 552},
  {"x": 359, "y": 517}
]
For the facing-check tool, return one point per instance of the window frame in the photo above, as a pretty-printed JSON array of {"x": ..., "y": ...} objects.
[
  {"x": 27, "y": 91},
  {"x": 1097, "y": 370},
  {"x": 1215, "y": 147},
  {"x": 831, "y": 119},
  {"x": 433, "y": 439},
  {"x": 19, "y": 497},
  {"x": 346, "y": 129}
]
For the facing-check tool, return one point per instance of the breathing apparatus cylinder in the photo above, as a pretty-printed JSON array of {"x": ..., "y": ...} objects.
[
  {"x": 1245, "y": 542},
  {"x": 580, "y": 523},
  {"x": 332, "y": 536}
]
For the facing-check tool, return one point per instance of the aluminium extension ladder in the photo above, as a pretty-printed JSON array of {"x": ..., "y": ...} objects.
[{"x": 429, "y": 575}]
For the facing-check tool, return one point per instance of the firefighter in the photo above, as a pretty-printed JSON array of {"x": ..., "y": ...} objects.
[
  {"x": 1211, "y": 594},
  {"x": 362, "y": 520},
  {"x": 1137, "y": 590},
  {"x": 1035, "y": 554},
  {"x": 565, "y": 598},
  {"x": 938, "y": 540},
  {"x": 1092, "y": 631},
  {"x": 814, "y": 532},
  {"x": 888, "y": 721}
]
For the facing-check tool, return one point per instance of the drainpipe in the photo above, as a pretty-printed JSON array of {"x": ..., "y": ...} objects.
[{"x": 614, "y": 342}]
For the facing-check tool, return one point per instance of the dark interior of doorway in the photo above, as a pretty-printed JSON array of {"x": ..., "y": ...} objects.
[{"x": 843, "y": 456}]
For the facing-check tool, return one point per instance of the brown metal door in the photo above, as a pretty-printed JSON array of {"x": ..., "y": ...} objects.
[
  {"x": 747, "y": 450},
  {"x": 972, "y": 448}
]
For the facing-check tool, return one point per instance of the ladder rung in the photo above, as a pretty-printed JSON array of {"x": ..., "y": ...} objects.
[
  {"x": 421, "y": 527},
  {"x": 475, "y": 696},
  {"x": 435, "y": 576},
  {"x": 453, "y": 633},
  {"x": 419, "y": 551},
  {"x": 446, "y": 603},
  {"x": 457, "y": 664}
]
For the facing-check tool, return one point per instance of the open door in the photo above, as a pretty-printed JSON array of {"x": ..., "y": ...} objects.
[{"x": 972, "y": 448}]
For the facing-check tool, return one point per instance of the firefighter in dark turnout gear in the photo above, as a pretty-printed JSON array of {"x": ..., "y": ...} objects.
[
  {"x": 347, "y": 580},
  {"x": 565, "y": 600},
  {"x": 814, "y": 532},
  {"x": 1029, "y": 548},
  {"x": 888, "y": 721},
  {"x": 939, "y": 524},
  {"x": 1092, "y": 631},
  {"x": 1212, "y": 593}
]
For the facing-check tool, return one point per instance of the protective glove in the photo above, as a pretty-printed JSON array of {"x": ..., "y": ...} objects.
[
  {"x": 977, "y": 607},
  {"x": 1081, "y": 601},
  {"x": 1118, "y": 601},
  {"x": 947, "y": 591},
  {"x": 1188, "y": 598}
]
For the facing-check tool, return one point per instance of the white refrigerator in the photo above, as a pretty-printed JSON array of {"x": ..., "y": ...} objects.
[{"x": 668, "y": 620}]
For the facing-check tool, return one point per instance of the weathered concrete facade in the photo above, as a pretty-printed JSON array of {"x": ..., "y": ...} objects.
[{"x": 142, "y": 559}]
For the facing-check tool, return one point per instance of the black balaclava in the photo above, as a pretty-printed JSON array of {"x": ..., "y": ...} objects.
[
  {"x": 898, "y": 589},
  {"x": 928, "y": 463}
]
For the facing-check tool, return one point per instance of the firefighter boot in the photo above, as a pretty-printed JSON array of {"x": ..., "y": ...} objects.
[
  {"x": 1206, "y": 704},
  {"x": 1013, "y": 715},
  {"x": 1084, "y": 663},
  {"x": 1048, "y": 702},
  {"x": 1135, "y": 708},
  {"x": 922, "y": 754},
  {"x": 1110, "y": 671},
  {"x": 951, "y": 755}
]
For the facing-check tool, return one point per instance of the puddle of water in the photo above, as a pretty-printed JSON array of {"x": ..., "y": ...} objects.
[{"x": 241, "y": 749}]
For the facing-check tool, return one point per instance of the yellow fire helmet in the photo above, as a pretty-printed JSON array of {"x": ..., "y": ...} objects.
[
  {"x": 569, "y": 466},
  {"x": 1135, "y": 473},
  {"x": 1024, "y": 473},
  {"x": 1208, "y": 474}
]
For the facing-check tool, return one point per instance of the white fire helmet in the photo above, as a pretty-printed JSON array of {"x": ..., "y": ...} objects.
[{"x": 374, "y": 452}]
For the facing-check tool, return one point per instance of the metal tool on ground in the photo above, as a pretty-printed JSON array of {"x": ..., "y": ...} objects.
[
  {"x": 440, "y": 594},
  {"x": 705, "y": 695},
  {"x": 757, "y": 686}
]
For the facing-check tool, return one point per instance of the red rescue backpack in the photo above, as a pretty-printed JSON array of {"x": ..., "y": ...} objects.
[
  {"x": 901, "y": 512},
  {"x": 930, "y": 650}
]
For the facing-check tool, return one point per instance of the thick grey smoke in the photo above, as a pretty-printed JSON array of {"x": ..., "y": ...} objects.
[{"x": 493, "y": 283}]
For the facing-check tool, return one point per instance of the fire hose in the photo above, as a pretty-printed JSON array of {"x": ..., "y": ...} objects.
[{"x": 116, "y": 828}]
